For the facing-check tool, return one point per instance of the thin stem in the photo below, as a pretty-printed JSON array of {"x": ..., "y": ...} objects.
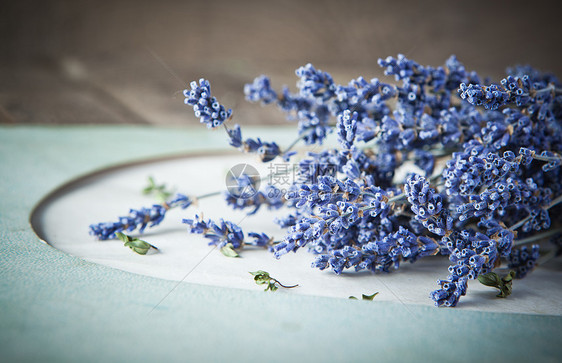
[
  {"x": 280, "y": 284},
  {"x": 396, "y": 198},
  {"x": 547, "y": 158},
  {"x": 538, "y": 237},
  {"x": 520, "y": 223},
  {"x": 555, "y": 201},
  {"x": 548, "y": 257},
  {"x": 207, "y": 195},
  {"x": 293, "y": 144}
]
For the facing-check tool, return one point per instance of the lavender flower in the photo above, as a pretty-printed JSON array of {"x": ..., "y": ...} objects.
[
  {"x": 450, "y": 292},
  {"x": 313, "y": 126},
  {"x": 315, "y": 83},
  {"x": 524, "y": 260},
  {"x": 139, "y": 218},
  {"x": 347, "y": 129},
  {"x": 260, "y": 91},
  {"x": 226, "y": 235},
  {"x": 267, "y": 151},
  {"x": 220, "y": 234},
  {"x": 427, "y": 205},
  {"x": 271, "y": 197},
  {"x": 206, "y": 107}
]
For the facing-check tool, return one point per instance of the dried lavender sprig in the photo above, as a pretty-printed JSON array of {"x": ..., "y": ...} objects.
[
  {"x": 517, "y": 90},
  {"x": 226, "y": 234},
  {"x": 213, "y": 114},
  {"x": 210, "y": 112},
  {"x": 267, "y": 151},
  {"x": 139, "y": 218},
  {"x": 205, "y": 106}
]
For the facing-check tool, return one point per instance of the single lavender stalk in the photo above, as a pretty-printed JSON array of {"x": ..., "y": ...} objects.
[
  {"x": 139, "y": 218},
  {"x": 210, "y": 112},
  {"x": 226, "y": 235}
]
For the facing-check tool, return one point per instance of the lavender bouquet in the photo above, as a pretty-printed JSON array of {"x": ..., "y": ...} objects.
[{"x": 486, "y": 190}]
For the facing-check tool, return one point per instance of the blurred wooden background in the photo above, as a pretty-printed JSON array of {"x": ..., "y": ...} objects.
[{"x": 105, "y": 62}]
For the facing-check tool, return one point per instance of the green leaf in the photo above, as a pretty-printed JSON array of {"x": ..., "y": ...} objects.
[
  {"x": 504, "y": 284},
  {"x": 139, "y": 246},
  {"x": 365, "y": 297},
  {"x": 150, "y": 187},
  {"x": 228, "y": 251},
  {"x": 509, "y": 276},
  {"x": 260, "y": 272},
  {"x": 123, "y": 237},
  {"x": 370, "y": 297},
  {"x": 261, "y": 277},
  {"x": 490, "y": 279},
  {"x": 271, "y": 286},
  {"x": 162, "y": 194}
]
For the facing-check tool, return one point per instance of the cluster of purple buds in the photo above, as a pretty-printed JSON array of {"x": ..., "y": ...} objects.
[
  {"x": 219, "y": 234},
  {"x": 427, "y": 205},
  {"x": 223, "y": 233},
  {"x": 139, "y": 218},
  {"x": 491, "y": 97},
  {"x": 206, "y": 107},
  {"x": 267, "y": 151},
  {"x": 315, "y": 83},
  {"x": 260, "y": 91},
  {"x": 491, "y": 161},
  {"x": 523, "y": 260}
]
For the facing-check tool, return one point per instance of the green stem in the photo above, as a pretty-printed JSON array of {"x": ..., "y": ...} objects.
[
  {"x": 538, "y": 237},
  {"x": 207, "y": 195},
  {"x": 280, "y": 284}
]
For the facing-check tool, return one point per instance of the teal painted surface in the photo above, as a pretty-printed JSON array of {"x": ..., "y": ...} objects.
[{"x": 54, "y": 307}]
